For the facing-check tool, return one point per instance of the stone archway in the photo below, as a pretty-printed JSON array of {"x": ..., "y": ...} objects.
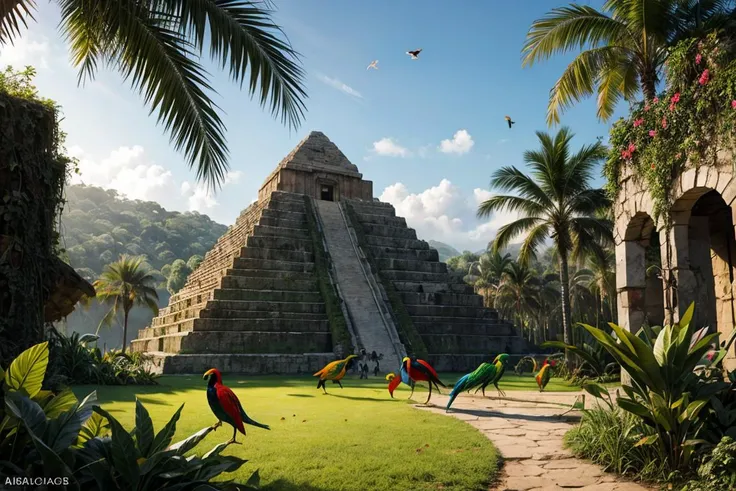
[
  {"x": 705, "y": 245},
  {"x": 639, "y": 277}
]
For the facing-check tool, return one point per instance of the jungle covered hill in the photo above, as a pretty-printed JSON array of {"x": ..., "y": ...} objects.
[{"x": 98, "y": 225}]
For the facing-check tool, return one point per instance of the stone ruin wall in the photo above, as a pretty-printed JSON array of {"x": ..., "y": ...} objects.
[{"x": 700, "y": 252}]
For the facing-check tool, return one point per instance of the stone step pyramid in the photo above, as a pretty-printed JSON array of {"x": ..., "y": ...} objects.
[{"x": 256, "y": 303}]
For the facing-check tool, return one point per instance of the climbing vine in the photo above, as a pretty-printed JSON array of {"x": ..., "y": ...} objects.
[
  {"x": 685, "y": 126},
  {"x": 33, "y": 169}
]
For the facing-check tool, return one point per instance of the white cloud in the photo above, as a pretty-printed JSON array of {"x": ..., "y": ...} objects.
[
  {"x": 387, "y": 147},
  {"x": 339, "y": 85},
  {"x": 127, "y": 170},
  {"x": 445, "y": 213},
  {"x": 26, "y": 50},
  {"x": 461, "y": 143}
]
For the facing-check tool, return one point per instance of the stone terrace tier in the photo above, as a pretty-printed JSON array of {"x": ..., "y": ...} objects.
[
  {"x": 458, "y": 331},
  {"x": 252, "y": 306}
]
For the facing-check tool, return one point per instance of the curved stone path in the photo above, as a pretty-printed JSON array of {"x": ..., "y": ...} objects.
[{"x": 527, "y": 428}]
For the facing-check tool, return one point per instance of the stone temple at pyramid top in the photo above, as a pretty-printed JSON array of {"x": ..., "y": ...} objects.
[{"x": 317, "y": 168}]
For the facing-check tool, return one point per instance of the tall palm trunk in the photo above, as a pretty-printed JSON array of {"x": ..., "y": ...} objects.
[
  {"x": 565, "y": 297},
  {"x": 125, "y": 329}
]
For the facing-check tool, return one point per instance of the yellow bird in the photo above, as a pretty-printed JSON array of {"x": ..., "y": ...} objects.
[{"x": 334, "y": 371}]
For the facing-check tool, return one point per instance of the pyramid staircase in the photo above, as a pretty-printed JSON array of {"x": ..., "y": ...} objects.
[{"x": 458, "y": 331}]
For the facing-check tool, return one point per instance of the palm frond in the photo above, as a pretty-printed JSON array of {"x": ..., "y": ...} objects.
[
  {"x": 502, "y": 202},
  {"x": 534, "y": 239},
  {"x": 511, "y": 230},
  {"x": 566, "y": 28},
  {"x": 13, "y": 15}
]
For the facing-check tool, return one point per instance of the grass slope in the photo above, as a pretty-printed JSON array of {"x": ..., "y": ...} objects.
[{"x": 355, "y": 438}]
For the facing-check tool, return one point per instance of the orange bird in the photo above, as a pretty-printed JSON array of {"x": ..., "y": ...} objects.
[
  {"x": 226, "y": 405},
  {"x": 544, "y": 374}
]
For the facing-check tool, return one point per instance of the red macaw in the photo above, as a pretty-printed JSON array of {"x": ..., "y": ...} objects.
[
  {"x": 226, "y": 405},
  {"x": 334, "y": 371},
  {"x": 421, "y": 371}
]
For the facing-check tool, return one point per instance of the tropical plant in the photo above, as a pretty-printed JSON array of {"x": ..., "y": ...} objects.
[
  {"x": 665, "y": 393},
  {"x": 489, "y": 270},
  {"x": 596, "y": 361},
  {"x": 123, "y": 285},
  {"x": 517, "y": 292},
  {"x": 56, "y": 436},
  {"x": 718, "y": 470},
  {"x": 555, "y": 201},
  {"x": 625, "y": 46},
  {"x": 157, "y": 45}
]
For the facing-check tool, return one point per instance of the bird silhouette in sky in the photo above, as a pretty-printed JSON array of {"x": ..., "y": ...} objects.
[
  {"x": 374, "y": 65},
  {"x": 508, "y": 120},
  {"x": 414, "y": 54}
]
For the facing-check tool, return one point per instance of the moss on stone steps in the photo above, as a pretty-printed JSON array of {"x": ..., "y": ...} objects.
[
  {"x": 408, "y": 333},
  {"x": 341, "y": 340}
]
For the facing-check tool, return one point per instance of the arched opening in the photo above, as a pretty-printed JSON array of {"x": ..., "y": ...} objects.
[
  {"x": 712, "y": 252},
  {"x": 641, "y": 292}
]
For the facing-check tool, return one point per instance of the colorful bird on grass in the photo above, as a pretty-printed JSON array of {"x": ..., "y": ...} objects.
[
  {"x": 473, "y": 379},
  {"x": 334, "y": 371},
  {"x": 544, "y": 374},
  {"x": 500, "y": 363},
  {"x": 226, "y": 405},
  {"x": 421, "y": 371},
  {"x": 394, "y": 381}
]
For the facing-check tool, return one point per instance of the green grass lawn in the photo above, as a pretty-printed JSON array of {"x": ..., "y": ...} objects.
[{"x": 354, "y": 438}]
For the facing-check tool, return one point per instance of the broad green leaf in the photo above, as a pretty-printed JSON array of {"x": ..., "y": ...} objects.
[
  {"x": 687, "y": 316},
  {"x": 215, "y": 451},
  {"x": 63, "y": 431},
  {"x": 62, "y": 402},
  {"x": 192, "y": 441},
  {"x": 95, "y": 426},
  {"x": 26, "y": 411},
  {"x": 27, "y": 371},
  {"x": 644, "y": 359},
  {"x": 53, "y": 465},
  {"x": 692, "y": 410},
  {"x": 124, "y": 452},
  {"x": 647, "y": 440},
  {"x": 596, "y": 390},
  {"x": 88, "y": 338},
  {"x": 254, "y": 480},
  {"x": 634, "y": 408},
  {"x": 662, "y": 345},
  {"x": 143, "y": 428},
  {"x": 163, "y": 438}
]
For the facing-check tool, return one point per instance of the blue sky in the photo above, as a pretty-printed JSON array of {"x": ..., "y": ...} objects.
[{"x": 428, "y": 133}]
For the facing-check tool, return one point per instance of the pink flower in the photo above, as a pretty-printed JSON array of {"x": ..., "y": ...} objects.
[
  {"x": 664, "y": 123},
  {"x": 704, "y": 77},
  {"x": 678, "y": 155},
  {"x": 638, "y": 122},
  {"x": 675, "y": 98},
  {"x": 632, "y": 148},
  {"x": 655, "y": 100},
  {"x": 652, "y": 133},
  {"x": 733, "y": 104},
  {"x": 698, "y": 59},
  {"x": 672, "y": 106},
  {"x": 646, "y": 108}
]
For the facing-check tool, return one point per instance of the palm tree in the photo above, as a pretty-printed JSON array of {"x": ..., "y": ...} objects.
[
  {"x": 624, "y": 46},
  {"x": 123, "y": 285},
  {"x": 602, "y": 281},
  {"x": 518, "y": 291},
  {"x": 156, "y": 45},
  {"x": 488, "y": 272},
  {"x": 555, "y": 201}
]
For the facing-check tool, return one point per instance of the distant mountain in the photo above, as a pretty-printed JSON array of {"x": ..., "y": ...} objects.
[
  {"x": 99, "y": 225},
  {"x": 445, "y": 251},
  {"x": 512, "y": 249}
]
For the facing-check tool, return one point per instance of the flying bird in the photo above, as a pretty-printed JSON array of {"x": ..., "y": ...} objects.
[
  {"x": 500, "y": 363},
  {"x": 508, "y": 120},
  {"x": 334, "y": 371},
  {"x": 414, "y": 54},
  {"x": 485, "y": 371},
  {"x": 394, "y": 381},
  {"x": 226, "y": 405},
  {"x": 421, "y": 371},
  {"x": 374, "y": 65},
  {"x": 544, "y": 374}
]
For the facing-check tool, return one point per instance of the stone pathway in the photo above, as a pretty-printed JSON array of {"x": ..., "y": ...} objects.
[{"x": 529, "y": 437}]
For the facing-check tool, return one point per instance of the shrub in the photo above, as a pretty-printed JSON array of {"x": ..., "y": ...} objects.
[
  {"x": 718, "y": 470},
  {"x": 609, "y": 436},
  {"x": 74, "y": 361},
  {"x": 55, "y": 436},
  {"x": 666, "y": 393}
]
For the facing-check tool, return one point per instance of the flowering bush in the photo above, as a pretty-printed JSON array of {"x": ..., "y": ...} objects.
[{"x": 686, "y": 125}]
